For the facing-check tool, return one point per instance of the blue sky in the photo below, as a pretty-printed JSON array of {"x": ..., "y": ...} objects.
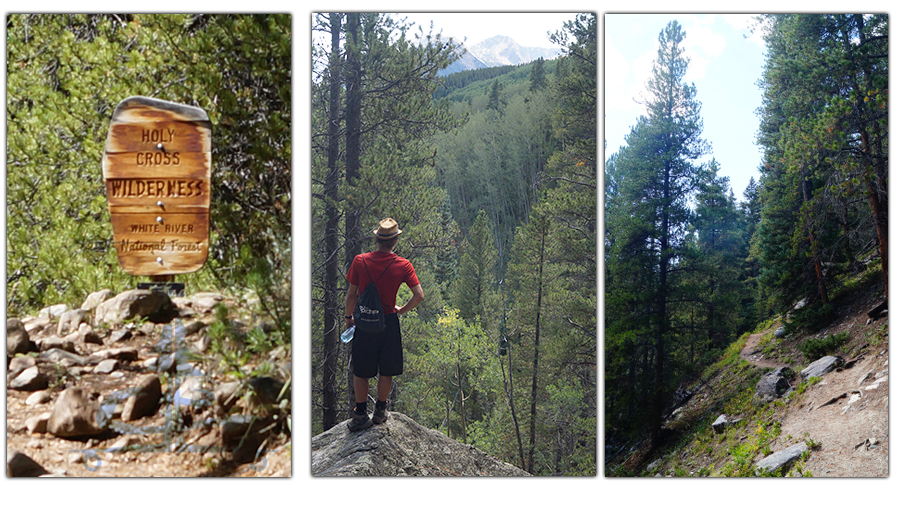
[{"x": 726, "y": 63}]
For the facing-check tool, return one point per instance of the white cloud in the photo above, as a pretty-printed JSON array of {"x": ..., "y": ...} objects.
[
  {"x": 623, "y": 82},
  {"x": 748, "y": 26},
  {"x": 697, "y": 68},
  {"x": 705, "y": 39}
]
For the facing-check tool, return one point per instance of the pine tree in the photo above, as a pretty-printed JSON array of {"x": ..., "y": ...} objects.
[
  {"x": 477, "y": 270},
  {"x": 658, "y": 177},
  {"x": 537, "y": 80}
]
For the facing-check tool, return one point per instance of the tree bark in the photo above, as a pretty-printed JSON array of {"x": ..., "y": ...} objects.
[
  {"x": 537, "y": 345},
  {"x": 353, "y": 113},
  {"x": 332, "y": 300}
]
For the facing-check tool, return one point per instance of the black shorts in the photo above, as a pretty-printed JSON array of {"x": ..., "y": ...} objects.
[{"x": 378, "y": 353}]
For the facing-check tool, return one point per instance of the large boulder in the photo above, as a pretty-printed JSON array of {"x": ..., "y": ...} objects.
[
  {"x": 821, "y": 367},
  {"x": 17, "y": 339},
  {"x": 400, "y": 447},
  {"x": 155, "y": 306},
  {"x": 74, "y": 415},
  {"x": 773, "y": 385}
]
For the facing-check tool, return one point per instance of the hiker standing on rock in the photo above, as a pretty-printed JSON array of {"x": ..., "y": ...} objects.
[{"x": 377, "y": 349}]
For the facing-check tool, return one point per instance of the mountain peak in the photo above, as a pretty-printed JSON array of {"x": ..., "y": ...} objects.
[{"x": 502, "y": 50}]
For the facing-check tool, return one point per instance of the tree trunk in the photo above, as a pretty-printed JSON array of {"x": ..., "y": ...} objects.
[
  {"x": 354, "y": 100},
  {"x": 512, "y": 407},
  {"x": 332, "y": 300},
  {"x": 658, "y": 395},
  {"x": 537, "y": 344},
  {"x": 816, "y": 255}
]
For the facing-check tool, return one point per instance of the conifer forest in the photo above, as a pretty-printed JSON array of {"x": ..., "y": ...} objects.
[
  {"x": 491, "y": 175},
  {"x": 688, "y": 267}
]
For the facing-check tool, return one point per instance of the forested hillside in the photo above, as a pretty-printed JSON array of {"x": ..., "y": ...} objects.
[
  {"x": 688, "y": 267},
  {"x": 65, "y": 75},
  {"x": 494, "y": 187}
]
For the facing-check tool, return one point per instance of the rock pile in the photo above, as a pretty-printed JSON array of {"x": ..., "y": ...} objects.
[{"x": 106, "y": 370}]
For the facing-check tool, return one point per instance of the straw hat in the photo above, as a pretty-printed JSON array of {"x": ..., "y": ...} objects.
[{"x": 387, "y": 229}]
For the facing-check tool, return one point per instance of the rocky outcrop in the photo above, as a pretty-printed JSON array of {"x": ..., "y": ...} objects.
[{"x": 400, "y": 447}]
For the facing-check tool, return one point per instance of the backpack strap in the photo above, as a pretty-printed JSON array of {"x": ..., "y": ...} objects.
[{"x": 382, "y": 274}]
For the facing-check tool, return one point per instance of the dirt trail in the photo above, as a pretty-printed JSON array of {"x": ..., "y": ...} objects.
[
  {"x": 754, "y": 356},
  {"x": 843, "y": 427}
]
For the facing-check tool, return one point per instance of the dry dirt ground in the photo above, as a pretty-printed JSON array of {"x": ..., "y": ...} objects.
[
  {"x": 841, "y": 428},
  {"x": 150, "y": 455}
]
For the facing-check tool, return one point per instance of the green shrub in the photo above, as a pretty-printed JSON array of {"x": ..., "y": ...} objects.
[{"x": 814, "y": 348}]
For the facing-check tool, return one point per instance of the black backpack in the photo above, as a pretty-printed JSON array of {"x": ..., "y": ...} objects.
[{"x": 368, "y": 315}]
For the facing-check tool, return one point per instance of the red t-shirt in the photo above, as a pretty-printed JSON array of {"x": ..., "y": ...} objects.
[{"x": 400, "y": 271}]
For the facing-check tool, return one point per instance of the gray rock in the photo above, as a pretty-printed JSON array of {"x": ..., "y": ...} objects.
[
  {"x": 155, "y": 306},
  {"x": 123, "y": 443},
  {"x": 70, "y": 320},
  {"x": 95, "y": 298},
  {"x": 31, "y": 379},
  {"x": 783, "y": 460},
  {"x": 88, "y": 335},
  {"x": 120, "y": 353},
  {"x": 37, "y": 424},
  {"x": 39, "y": 397},
  {"x": 226, "y": 394},
  {"x": 821, "y": 367},
  {"x": 780, "y": 332},
  {"x": 73, "y": 415},
  {"x": 191, "y": 393},
  {"x": 17, "y": 339},
  {"x": 107, "y": 366},
  {"x": 205, "y": 302},
  {"x": 720, "y": 424},
  {"x": 773, "y": 385},
  {"x": 62, "y": 357},
  {"x": 119, "y": 335},
  {"x": 145, "y": 400},
  {"x": 20, "y": 465},
  {"x": 54, "y": 311},
  {"x": 37, "y": 325},
  {"x": 55, "y": 342},
  {"x": 865, "y": 377},
  {"x": 400, "y": 447},
  {"x": 193, "y": 327},
  {"x": 19, "y": 364}
]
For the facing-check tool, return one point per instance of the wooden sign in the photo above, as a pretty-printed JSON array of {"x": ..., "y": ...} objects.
[{"x": 157, "y": 167}]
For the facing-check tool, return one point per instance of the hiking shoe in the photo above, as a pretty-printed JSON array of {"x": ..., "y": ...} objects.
[
  {"x": 379, "y": 416},
  {"x": 359, "y": 422}
]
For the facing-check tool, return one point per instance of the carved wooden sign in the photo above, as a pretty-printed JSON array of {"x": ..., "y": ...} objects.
[{"x": 157, "y": 167}]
